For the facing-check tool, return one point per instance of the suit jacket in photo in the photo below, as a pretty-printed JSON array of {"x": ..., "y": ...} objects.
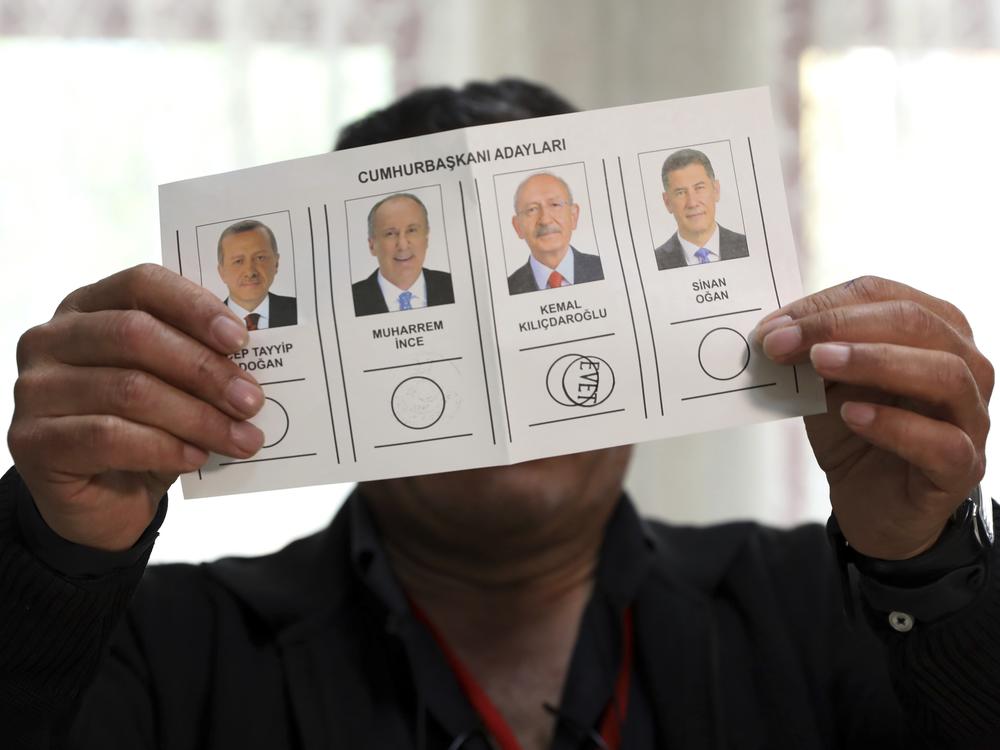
[
  {"x": 586, "y": 267},
  {"x": 731, "y": 245},
  {"x": 284, "y": 311},
  {"x": 368, "y": 299}
]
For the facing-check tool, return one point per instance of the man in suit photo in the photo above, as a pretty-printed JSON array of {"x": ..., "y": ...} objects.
[
  {"x": 545, "y": 217},
  {"x": 691, "y": 193},
  {"x": 248, "y": 262},
  {"x": 398, "y": 232}
]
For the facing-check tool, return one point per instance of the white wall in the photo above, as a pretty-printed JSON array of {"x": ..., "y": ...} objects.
[{"x": 602, "y": 54}]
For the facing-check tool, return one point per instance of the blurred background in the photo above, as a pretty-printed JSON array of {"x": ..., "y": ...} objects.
[{"x": 888, "y": 120}]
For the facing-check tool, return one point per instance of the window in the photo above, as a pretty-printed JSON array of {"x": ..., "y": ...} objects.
[
  {"x": 91, "y": 127},
  {"x": 900, "y": 154}
]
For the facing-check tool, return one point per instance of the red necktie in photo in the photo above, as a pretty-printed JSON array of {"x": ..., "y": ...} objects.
[
  {"x": 252, "y": 320},
  {"x": 555, "y": 280}
]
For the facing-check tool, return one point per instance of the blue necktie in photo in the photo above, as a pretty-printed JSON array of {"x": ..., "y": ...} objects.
[
  {"x": 702, "y": 255},
  {"x": 404, "y": 301}
]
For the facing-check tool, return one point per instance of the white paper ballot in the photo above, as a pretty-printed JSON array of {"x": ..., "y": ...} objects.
[{"x": 501, "y": 293}]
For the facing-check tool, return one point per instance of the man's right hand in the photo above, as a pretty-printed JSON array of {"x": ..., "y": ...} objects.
[{"x": 126, "y": 387}]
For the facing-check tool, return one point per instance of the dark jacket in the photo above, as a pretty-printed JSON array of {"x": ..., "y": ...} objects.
[
  {"x": 368, "y": 298},
  {"x": 586, "y": 267},
  {"x": 741, "y": 642},
  {"x": 671, "y": 254},
  {"x": 283, "y": 310}
]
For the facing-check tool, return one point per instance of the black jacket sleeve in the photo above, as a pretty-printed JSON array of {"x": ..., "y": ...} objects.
[
  {"x": 942, "y": 641},
  {"x": 55, "y": 626}
]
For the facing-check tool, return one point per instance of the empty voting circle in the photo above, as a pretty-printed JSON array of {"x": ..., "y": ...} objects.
[
  {"x": 580, "y": 380},
  {"x": 723, "y": 353},
  {"x": 272, "y": 421},
  {"x": 417, "y": 403}
]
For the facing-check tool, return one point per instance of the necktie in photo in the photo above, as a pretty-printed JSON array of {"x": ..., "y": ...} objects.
[
  {"x": 252, "y": 319},
  {"x": 404, "y": 301},
  {"x": 702, "y": 255},
  {"x": 555, "y": 280}
]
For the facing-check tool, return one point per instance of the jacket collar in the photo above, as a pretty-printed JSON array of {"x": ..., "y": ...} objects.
[
  {"x": 315, "y": 596},
  {"x": 313, "y": 576},
  {"x": 303, "y": 581}
]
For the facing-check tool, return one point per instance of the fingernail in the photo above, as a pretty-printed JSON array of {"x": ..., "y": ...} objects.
[
  {"x": 829, "y": 356},
  {"x": 230, "y": 334},
  {"x": 244, "y": 396},
  {"x": 765, "y": 327},
  {"x": 246, "y": 437},
  {"x": 858, "y": 415},
  {"x": 782, "y": 341},
  {"x": 194, "y": 457}
]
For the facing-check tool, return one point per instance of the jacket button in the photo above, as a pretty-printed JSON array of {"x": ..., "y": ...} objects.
[{"x": 901, "y": 622}]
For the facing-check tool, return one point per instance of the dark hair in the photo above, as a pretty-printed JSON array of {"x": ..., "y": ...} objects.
[
  {"x": 684, "y": 158},
  {"x": 246, "y": 225},
  {"x": 431, "y": 110},
  {"x": 377, "y": 206}
]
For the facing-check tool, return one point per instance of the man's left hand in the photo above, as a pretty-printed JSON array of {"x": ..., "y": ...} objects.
[{"x": 903, "y": 441}]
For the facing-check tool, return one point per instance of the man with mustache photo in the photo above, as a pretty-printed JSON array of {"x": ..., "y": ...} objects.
[
  {"x": 545, "y": 217},
  {"x": 248, "y": 262}
]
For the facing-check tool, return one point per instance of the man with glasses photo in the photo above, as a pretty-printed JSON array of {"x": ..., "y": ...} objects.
[{"x": 545, "y": 217}]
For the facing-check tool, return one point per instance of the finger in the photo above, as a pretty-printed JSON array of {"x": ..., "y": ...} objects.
[
  {"x": 944, "y": 453},
  {"x": 866, "y": 290},
  {"x": 137, "y": 397},
  {"x": 897, "y": 321},
  {"x": 91, "y": 445},
  {"x": 938, "y": 379},
  {"x": 900, "y": 322},
  {"x": 135, "y": 340},
  {"x": 167, "y": 296}
]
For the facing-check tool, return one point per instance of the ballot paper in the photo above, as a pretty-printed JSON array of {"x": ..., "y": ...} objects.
[{"x": 409, "y": 319}]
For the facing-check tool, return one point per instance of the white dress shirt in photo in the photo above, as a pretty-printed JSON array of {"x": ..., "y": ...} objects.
[
  {"x": 542, "y": 272},
  {"x": 690, "y": 248},
  {"x": 263, "y": 310},
  {"x": 391, "y": 292}
]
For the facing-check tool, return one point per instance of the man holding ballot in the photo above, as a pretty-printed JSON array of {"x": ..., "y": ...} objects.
[{"x": 524, "y": 606}]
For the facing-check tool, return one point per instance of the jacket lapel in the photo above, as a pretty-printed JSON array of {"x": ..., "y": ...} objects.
[
  {"x": 675, "y": 637},
  {"x": 307, "y": 598},
  {"x": 375, "y": 297},
  {"x": 330, "y": 674},
  {"x": 434, "y": 291},
  {"x": 308, "y": 693}
]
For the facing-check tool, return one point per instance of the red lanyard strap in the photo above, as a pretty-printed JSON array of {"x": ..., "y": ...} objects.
[{"x": 612, "y": 720}]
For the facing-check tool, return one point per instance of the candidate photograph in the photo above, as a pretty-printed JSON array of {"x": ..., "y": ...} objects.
[
  {"x": 545, "y": 217},
  {"x": 248, "y": 264},
  {"x": 398, "y": 235},
  {"x": 691, "y": 194}
]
